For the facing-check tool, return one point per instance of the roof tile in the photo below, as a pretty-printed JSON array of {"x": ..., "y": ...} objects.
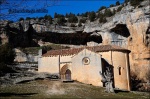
[{"x": 72, "y": 51}]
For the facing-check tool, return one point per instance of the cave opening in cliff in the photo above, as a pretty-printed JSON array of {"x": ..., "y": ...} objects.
[
  {"x": 69, "y": 38},
  {"x": 21, "y": 38},
  {"x": 121, "y": 29}
]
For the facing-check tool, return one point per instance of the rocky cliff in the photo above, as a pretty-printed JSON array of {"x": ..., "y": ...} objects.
[
  {"x": 137, "y": 39},
  {"x": 128, "y": 28}
]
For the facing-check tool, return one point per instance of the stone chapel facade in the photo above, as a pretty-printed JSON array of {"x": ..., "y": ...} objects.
[{"x": 84, "y": 64}]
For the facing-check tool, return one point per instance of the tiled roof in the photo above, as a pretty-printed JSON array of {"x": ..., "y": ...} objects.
[{"x": 72, "y": 51}]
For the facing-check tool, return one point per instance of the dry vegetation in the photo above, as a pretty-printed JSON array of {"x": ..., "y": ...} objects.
[{"x": 56, "y": 89}]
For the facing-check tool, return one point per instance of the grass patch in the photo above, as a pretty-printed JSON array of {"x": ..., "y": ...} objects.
[{"x": 56, "y": 89}]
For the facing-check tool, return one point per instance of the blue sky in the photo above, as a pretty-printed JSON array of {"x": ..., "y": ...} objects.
[{"x": 64, "y": 6}]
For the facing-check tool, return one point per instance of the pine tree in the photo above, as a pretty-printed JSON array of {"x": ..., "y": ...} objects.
[
  {"x": 117, "y": 3},
  {"x": 108, "y": 13},
  {"x": 101, "y": 8},
  {"x": 92, "y": 16}
]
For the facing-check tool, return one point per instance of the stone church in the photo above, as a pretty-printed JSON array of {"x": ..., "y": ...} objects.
[{"x": 84, "y": 64}]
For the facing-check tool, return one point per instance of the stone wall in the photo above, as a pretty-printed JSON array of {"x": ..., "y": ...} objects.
[
  {"x": 87, "y": 73},
  {"x": 49, "y": 64}
]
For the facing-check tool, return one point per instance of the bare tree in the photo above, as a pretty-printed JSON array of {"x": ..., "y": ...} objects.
[{"x": 8, "y": 7}]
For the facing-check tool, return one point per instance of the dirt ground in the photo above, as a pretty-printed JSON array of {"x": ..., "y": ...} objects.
[{"x": 57, "y": 89}]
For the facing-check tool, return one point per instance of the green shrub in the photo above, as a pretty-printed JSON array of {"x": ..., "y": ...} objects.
[
  {"x": 92, "y": 16},
  {"x": 21, "y": 19},
  {"x": 101, "y": 8},
  {"x": 7, "y": 54},
  {"x": 28, "y": 18},
  {"x": 108, "y": 13},
  {"x": 117, "y": 3},
  {"x": 49, "y": 18},
  {"x": 119, "y": 8},
  {"x": 112, "y": 5},
  {"x": 61, "y": 20},
  {"x": 83, "y": 20},
  {"x": 78, "y": 14},
  {"x": 5, "y": 69},
  {"x": 72, "y": 19},
  {"x": 135, "y": 2},
  {"x": 85, "y": 14},
  {"x": 79, "y": 25},
  {"x": 58, "y": 15},
  {"x": 126, "y": 1},
  {"x": 102, "y": 18},
  {"x": 114, "y": 12},
  {"x": 40, "y": 18}
]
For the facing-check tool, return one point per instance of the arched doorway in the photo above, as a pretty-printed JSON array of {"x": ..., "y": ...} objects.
[
  {"x": 68, "y": 74},
  {"x": 65, "y": 73}
]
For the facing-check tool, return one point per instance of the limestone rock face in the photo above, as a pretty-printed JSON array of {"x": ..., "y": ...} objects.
[
  {"x": 23, "y": 57},
  {"x": 138, "y": 41}
]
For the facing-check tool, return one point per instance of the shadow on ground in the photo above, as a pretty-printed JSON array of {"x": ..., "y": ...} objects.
[
  {"x": 118, "y": 91},
  {"x": 16, "y": 94}
]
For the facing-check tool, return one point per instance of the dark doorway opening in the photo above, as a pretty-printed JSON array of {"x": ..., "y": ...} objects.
[{"x": 68, "y": 74}]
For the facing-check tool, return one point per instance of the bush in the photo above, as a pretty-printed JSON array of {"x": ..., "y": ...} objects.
[
  {"x": 40, "y": 18},
  {"x": 126, "y": 1},
  {"x": 108, "y": 13},
  {"x": 85, "y": 14},
  {"x": 45, "y": 49},
  {"x": 78, "y": 14},
  {"x": 49, "y": 18},
  {"x": 114, "y": 12},
  {"x": 102, "y": 18},
  {"x": 82, "y": 20},
  {"x": 79, "y": 25},
  {"x": 112, "y": 5},
  {"x": 58, "y": 15},
  {"x": 119, "y": 8},
  {"x": 28, "y": 18},
  {"x": 5, "y": 69},
  {"x": 72, "y": 19},
  {"x": 135, "y": 2},
  {"x": 21, "y": 19},
  {"x": 101, "y": 8},
  {"x": 135, "y": 82},
  {"x": 61, "y": 20},
  {"x": 7, "y": 54},
  {"x": 92, "y": 16},
  {"x": 117, "y": 3}
]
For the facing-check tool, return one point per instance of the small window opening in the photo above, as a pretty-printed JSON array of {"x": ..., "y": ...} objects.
[{"x": 119, "y": 70}]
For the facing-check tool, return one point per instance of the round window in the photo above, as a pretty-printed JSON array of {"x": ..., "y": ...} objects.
[{"x": 86, "y": 60}]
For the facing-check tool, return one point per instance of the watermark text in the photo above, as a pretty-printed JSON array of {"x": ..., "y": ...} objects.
[{"x": 27, "y": 11}]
